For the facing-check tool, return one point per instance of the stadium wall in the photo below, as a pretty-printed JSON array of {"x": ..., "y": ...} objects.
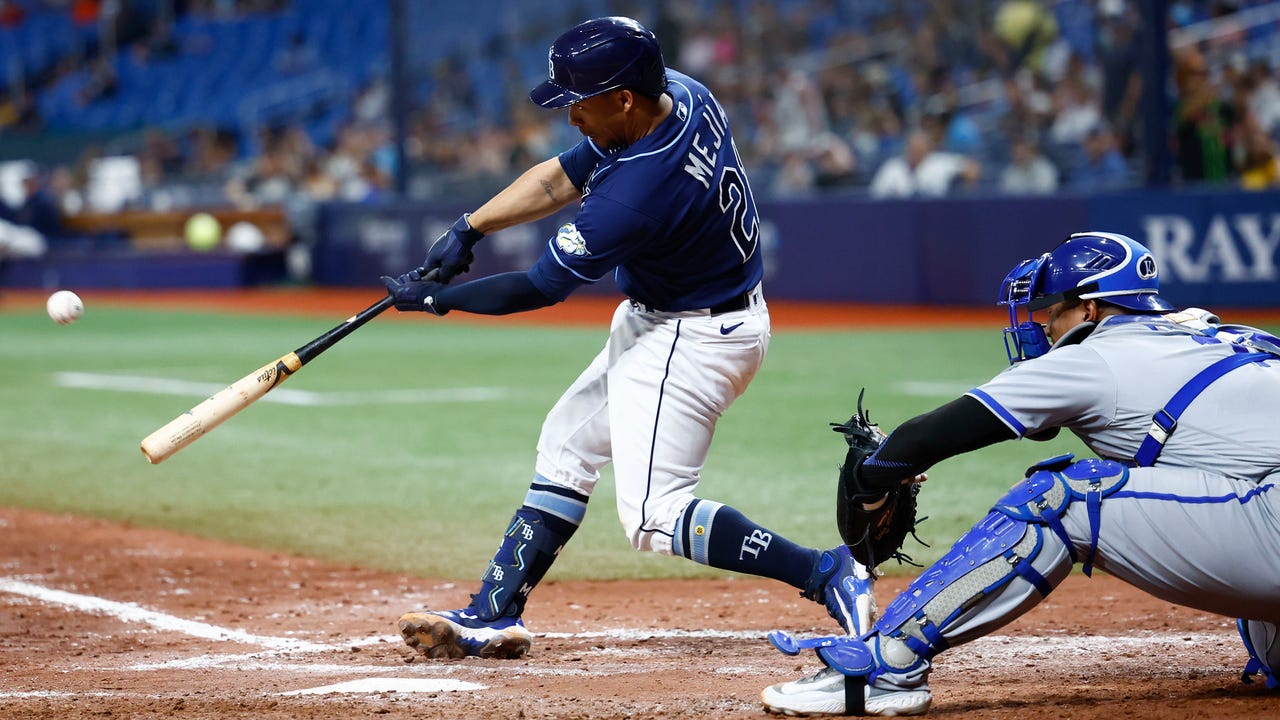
[{"x": 1217, "y": 249}]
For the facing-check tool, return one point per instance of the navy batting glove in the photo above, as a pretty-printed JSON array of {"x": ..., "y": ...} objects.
[
  {"x": 415, "y": 295},
  {"x": 451, "y": 252}
]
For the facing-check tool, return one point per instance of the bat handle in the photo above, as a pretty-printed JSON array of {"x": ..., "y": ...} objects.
[{"x": 308, "y": 352}]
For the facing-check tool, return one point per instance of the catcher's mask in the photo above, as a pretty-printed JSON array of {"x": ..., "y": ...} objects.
[{"x": 1086, "y": 266}]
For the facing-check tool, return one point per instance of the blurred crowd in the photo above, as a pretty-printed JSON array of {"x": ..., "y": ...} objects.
[{"x": 889, "y": 98}]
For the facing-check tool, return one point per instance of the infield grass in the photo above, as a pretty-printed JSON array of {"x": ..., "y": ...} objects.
[{"x": 377, "y": 472}]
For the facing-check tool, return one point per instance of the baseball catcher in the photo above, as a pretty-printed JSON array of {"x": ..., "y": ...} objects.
[
  {"x": 873, "y": 520},
  {"x": 1180, "y": 410}
]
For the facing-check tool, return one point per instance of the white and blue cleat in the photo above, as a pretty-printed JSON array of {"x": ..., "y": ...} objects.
[
  {"x": 462, "y": 633},
  {"x": 845, "y": 586}
]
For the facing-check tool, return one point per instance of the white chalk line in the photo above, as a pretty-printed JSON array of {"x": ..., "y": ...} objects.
[
  {"x": 396, "y": 685},
  {"x": 1029, "y": 646},
  {"x": 134, "y": 613},
  {"x": 283, "y": 395}
]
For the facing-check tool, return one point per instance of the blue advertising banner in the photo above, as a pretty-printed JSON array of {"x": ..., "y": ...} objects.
[{"x": 1214, "y": 249}]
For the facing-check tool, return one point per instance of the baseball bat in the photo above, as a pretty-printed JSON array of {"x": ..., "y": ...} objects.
[{"x": 199, "y": 420}]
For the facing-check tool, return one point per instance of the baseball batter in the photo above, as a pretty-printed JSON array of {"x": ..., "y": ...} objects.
[
  {"x": 1181, "y": 501},
  {"x": 665, "y": 207}
]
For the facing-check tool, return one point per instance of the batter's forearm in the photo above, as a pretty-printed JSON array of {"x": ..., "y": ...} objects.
[
  {"x": 500, "y": 294},
  {"x": 540, "y": 191}
]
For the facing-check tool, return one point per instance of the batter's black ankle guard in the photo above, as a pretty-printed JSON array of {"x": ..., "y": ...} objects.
[{"x": 526, "y": 554}]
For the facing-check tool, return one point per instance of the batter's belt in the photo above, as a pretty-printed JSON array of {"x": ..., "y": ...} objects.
[{"x": 741, "y": 301}]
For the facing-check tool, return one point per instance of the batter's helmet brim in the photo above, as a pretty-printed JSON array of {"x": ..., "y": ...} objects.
[{"x": 551, "y": 95}]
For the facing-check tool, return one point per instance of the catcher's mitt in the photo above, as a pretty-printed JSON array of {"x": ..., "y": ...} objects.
[{"x": 874, "y": 535}]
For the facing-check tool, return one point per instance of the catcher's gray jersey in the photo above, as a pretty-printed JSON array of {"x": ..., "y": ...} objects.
[
  {"x": 1107, "y": 388},
  {"x": 1201, "y": 527}
]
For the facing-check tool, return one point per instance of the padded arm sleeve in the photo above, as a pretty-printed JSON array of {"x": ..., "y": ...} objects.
[
  {"x": 960, "y": 426},
  {"x": 500, "y": 294}
]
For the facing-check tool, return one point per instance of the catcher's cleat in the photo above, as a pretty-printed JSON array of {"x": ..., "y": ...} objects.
[
  {"x": 845, "y": 587},
  {"x": 823, "y": 693},
  {"x": 460, "y": 633}
]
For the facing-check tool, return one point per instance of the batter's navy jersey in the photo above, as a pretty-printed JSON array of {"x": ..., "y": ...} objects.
[{"x": 672, "y": 214}]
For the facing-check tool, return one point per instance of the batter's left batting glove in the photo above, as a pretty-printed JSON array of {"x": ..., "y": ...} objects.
[
  {"x": 451, "y": 253},
  {"x": 416, "y": 295}
]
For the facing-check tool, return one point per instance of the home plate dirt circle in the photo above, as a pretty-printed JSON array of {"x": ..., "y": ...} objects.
[{"x": 105, "y": 620}]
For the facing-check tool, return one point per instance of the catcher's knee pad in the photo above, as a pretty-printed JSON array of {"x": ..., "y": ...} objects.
[
  {"x": 1054, "y": 484},
  {"x": 527, "y": 551},
  {"x": 1262, "y": 641}
]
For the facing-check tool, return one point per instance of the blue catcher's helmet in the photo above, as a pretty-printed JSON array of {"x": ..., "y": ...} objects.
[
  {"x": 600, "y": 55},
  {"x": 1086, "y": 266}
]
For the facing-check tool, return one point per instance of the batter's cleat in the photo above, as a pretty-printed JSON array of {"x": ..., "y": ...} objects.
[
  {"x": 845, "y": 587},
  {"x": 823, "y": 693},
  {"x": 460, "y": 633}
]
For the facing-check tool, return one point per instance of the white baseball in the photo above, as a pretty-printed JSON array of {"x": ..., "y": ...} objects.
[{"x": 64, "y": 307}]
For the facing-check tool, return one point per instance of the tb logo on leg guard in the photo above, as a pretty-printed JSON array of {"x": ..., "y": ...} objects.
[{"x": 754, "y": 544}]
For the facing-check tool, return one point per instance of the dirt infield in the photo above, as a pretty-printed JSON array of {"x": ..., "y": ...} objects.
[{"x": 108, "y": 621}]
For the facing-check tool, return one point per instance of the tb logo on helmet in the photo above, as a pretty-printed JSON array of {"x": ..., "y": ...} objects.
[{"x": 600, "y": 55}]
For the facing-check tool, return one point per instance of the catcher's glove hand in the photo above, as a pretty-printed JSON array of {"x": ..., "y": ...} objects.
[{"x": 872, "y": 522}]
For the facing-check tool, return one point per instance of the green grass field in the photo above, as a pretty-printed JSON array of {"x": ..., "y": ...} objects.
[{"x": 407, "y": 446}]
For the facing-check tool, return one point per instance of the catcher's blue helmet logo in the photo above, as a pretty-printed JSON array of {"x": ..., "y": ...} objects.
[
  {"x": 1146, "y": 267},
  {"x": 1086, "y": 266},
  {"x": 600, "y": 55}
]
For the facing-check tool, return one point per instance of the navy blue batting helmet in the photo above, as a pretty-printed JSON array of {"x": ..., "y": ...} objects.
[{"x": 600, "y": 55}]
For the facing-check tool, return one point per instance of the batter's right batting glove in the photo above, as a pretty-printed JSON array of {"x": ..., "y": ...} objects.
[
  {"x": 415, "y": 295},
  {"x": 451, "y": 252}
]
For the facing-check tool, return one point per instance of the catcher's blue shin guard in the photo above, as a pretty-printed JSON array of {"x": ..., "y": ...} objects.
[
  {"x": 1259, "y": 638},
  {"x": 998, "y": 570}
]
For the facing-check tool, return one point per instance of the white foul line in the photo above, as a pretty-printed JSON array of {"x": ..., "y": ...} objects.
[
  {"x": 396, "y": 685},
  {"x": 1032, "y": 646},
  {"x": 131, "y": 612},
  {"x": 284, "y": 396}
]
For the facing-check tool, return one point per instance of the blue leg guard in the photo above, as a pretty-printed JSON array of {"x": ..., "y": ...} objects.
[
  {"x": 1257, "y": 635},
  {"x": 995, "y": 572}
]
